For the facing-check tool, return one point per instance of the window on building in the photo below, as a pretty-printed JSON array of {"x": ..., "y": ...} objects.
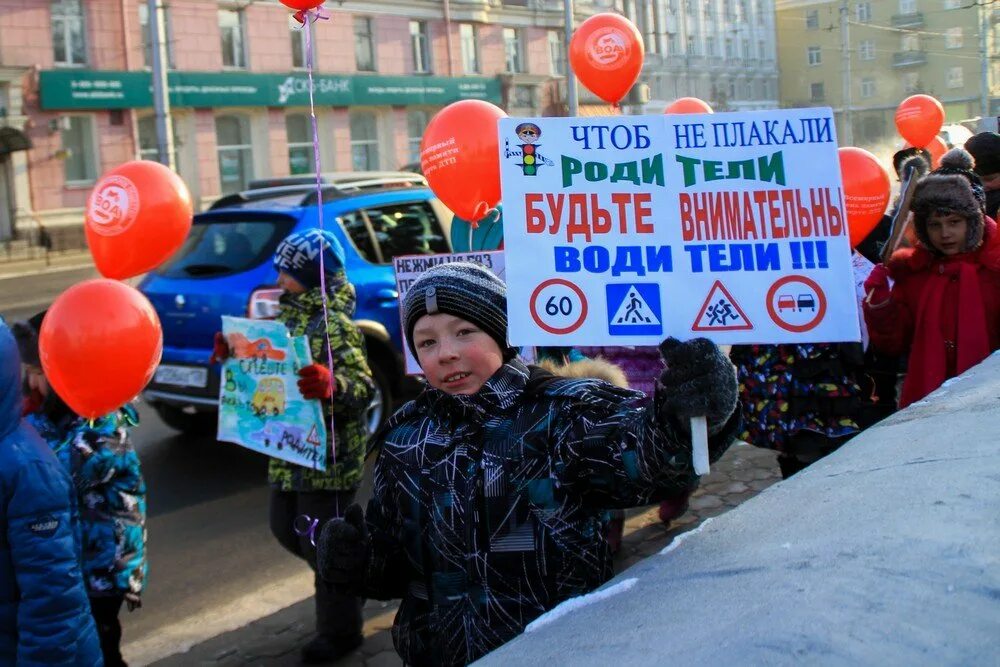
[
  {"x": 522, "y": 97},
  {"x": 955, "y": 78},
  {"x": 952, "y": 4},
  {"x": 420, "y": 46},
  {"x": 749, "y": 90},
  {"x": 416, "y": 123},
  {"x": 909, "y": 42},
  {"x": 866, "y": 49},
  {"x": 762, "y": 49},
  {"x": 759, "y": 11},
  {"x": 80, "y": 165},
  {"x": 953, "y": 38},
  {"x": 148, "y": 149},
  {"x": 816, "y": 92},
  {"x": 234, "y": 53},
  {"x": 863, "y": 12},
  {"x": 557, "y": 53},
  {"x": 911, "y": 82},
  {"x": 364, "y": 141},
  {"x": 867, "y": 87},
  {"x": 147, "y": 36},
  {"x": 513, "y": 50},
  {"x": 69, "y": 46},
  {"x": 364, "y": 48},
  {"x": 709, "y": 11},
  {"x": 812, "y": 19},
  {"x": 907, "y": 6},
  {"x": 672, "y": 44},
  {"x": 746, "y": 49},
  {"x": 468, "y": 35},
  {"x": 692, "y": 46},
  {"x": 710, "y": 47},
  {"x": 298, "y": 131},
  {"x": 730, "y": 52},
  {"x": 813, "y": 55},
  {"x": 298, "y": 37},
  {"x": 232, "y": 140},
  {"x": 732, "y": 90},
  {"x": 406, "y": 229}
]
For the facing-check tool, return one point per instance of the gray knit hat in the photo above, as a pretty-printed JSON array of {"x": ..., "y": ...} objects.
[{"x": 462, "y": 289}]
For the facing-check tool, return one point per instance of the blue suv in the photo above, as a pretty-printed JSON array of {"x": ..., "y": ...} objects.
[{"x": 224, "y": 268}]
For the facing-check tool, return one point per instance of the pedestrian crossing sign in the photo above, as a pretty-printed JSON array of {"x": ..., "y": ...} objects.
[{"x": 634, "y": 310}]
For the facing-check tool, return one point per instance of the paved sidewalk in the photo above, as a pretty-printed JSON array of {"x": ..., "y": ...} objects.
[
  {"x": 56, "y": 261},
  {"x": 275, "y": 641}
]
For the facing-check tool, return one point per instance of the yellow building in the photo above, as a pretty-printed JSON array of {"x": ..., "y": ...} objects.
[{"x": 894, "y": 48}]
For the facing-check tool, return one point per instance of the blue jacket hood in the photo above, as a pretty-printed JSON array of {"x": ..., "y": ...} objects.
[{"x": 10, "y": 381}]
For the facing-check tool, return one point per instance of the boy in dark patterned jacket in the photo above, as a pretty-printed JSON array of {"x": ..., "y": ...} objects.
[
  {"x": 490, "y": 485},
  {"x": 345, "y": 388},
  {"x": 109, "y": 503}
]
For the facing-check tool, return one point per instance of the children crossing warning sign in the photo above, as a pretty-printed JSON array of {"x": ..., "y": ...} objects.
[
  {"x": 720, "y": 312},
  {"x": 634, "y": 310}
]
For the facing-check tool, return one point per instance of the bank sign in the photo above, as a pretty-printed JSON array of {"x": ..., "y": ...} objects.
[{"x": 87, "y": 89}]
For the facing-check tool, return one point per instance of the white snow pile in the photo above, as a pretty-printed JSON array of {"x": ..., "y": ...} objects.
[
  {"x": 676, "y": 542},
  {"x": 579, "y": 602}
]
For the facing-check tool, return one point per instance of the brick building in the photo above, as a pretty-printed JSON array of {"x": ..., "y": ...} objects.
[{"x": 75, "y": 83}]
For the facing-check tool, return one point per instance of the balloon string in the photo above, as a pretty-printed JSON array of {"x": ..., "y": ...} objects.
[
  {"x": 307, "y": 25},
  {"x": 305, "y": 526}
]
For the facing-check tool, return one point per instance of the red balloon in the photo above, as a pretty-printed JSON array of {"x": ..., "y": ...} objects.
[
  {"x": 919, "y": 118},
  {"x": 301, "y": 4},
  {"x": 460, "y": 157},
  {"x": 137, "y": 216},
  {"x": 99, "y": 345},
  {"x": 937, "y": 148},
  {"x": 866, "y": 191},
  {"x": 607, "y": 53},
  {"x": 688, "y": 105}
]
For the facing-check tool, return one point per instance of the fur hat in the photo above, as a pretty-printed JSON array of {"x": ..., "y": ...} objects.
[
  {"x": 298, "y": 255},
  {"x": 463, "y": 289},
  {"x": 951, "y": 188},
  {"x": 903, "y": 158},
  {"x": 985, "y": 148},
  {"x": 26, "y": 334}
]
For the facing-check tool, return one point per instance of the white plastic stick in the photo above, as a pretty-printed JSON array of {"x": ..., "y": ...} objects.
[{"x": 699, "y": 445}]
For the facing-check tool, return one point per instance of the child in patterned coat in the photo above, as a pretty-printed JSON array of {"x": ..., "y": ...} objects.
[
  {"x": 490, "y": 486},
  {"x": 341, "y": 380}
]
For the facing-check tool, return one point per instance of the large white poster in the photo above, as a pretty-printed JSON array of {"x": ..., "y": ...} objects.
[{"x": 624, "y": 230}]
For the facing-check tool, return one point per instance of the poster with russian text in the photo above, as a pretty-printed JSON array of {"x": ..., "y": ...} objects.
[
  {"x": 260, "y": 406},
  {"x": 409, "y": 267},
  {"x": 624, "y": 230}
]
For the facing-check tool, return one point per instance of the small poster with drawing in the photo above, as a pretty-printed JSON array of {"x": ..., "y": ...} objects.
[{"x": 260, "y": 406}]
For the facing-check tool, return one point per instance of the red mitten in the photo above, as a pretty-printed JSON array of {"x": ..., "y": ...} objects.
[
  {"x": 220, "y": 349},
  {"x": 315, "y": 382},
  {"x": 877, "y": 285}
]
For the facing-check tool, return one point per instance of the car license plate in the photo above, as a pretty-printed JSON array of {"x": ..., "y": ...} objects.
[{"x": 182, "y": 376}]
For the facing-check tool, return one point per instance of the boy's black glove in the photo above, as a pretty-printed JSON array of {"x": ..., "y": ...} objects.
[
  {"x": 699, "y": 380},
  {"x": 343, "y": 548}
]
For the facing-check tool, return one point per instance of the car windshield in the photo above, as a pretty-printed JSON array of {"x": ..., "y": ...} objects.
[{"x": 224, "y": 247}]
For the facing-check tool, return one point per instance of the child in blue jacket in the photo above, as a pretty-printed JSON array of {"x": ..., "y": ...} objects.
[{"x": 44, "y": 615}]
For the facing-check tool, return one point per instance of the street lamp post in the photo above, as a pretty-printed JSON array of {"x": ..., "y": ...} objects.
[
  {"x": 571, "y": 96},
  {"x": 161, "y": 95}
]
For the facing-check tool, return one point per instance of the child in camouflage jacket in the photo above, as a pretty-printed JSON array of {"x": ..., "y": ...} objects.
[{"x": 341, "y": 379}]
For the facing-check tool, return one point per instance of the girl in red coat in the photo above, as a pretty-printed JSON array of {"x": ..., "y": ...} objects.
[{"x": 944, "y": 308}]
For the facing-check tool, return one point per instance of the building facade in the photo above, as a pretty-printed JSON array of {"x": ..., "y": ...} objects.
[
  {"x": 75, "y": 81},
  {"x": 721, "y": 51},
  {"x": 862, "y": 57}
]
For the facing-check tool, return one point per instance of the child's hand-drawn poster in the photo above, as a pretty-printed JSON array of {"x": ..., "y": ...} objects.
[{"x": 260, "y": 406}]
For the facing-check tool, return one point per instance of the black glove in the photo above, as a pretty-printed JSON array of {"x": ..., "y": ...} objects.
[
  {"x": 343, "y": 548},
  {"x": 698, "y": 381}
]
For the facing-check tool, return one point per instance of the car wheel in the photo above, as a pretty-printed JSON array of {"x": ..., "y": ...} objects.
[
  {"x": 380, "y": 406},
  {"x": 199, "y": 423}
]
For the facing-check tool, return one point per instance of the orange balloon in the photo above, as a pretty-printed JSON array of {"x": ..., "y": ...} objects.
[
  {"x": 688, "y": 105},
  {"x": 937, "y": 149},
  {"x": 919, "y": 118},
  {"x": 137, "y": 216},
  {"x": 606, "y": 52},
  {"x": 99, "y": 345},
  {"x": 302, "y": 4},
  {"x": 460, "y": 157},
  {"x": 866, "y": 191}
]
